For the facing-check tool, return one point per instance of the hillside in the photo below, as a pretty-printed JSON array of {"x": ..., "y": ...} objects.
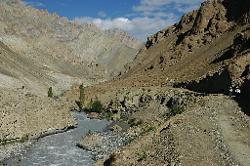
[
  {"x": 46, "y": 43},
  {"x": 39, "y": 50},
  {"x": 208, "y": 44},
  {"x": 187, "y": 92},
  {"x": 182, "y": 99}
]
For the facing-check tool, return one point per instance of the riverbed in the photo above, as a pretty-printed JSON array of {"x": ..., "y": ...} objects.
[{"x": 60, "y": 149}]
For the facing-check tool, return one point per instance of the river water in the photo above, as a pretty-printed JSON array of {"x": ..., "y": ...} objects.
[{"x": 60, "y": 149}]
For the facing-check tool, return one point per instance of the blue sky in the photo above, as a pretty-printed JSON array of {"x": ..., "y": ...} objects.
[{"x": 140, "y": 18}]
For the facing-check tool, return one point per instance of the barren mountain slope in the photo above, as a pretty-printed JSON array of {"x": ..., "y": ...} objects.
[
  {"x": 39, "y": 50},
  {"x": 211, "y": 43},
  {"x": 57, "y": 50}
]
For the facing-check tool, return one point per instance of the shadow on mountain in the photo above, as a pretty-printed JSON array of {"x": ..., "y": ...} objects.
[
  {"x": 217, "y": 83},
  {"x": 220, "y": 83},
  {"x": 228, "y": 54},
  {"x": 244, "y": 103},
  {"x": 244, "y": 98},
  {"x": 237, "y": 10}
]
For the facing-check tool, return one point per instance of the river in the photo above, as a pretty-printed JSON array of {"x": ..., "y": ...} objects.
[{"x": 60, "y": 149}]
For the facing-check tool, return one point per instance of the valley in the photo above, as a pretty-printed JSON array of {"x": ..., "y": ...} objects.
[{"x": 181, "y": 98}]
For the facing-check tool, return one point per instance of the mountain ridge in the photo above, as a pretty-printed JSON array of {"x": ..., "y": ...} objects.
[
  {"x": 46, "y": 38},
  {"x": 187, "y": 51}
]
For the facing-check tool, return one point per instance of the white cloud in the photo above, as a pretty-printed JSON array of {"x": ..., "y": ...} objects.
[
  {"x": 152, "y": 6},
  {"x": 140, "y": 27},
  {"x": 34, "y": 3},
  {"x": 148, "y": 17},
  {"x": 102, "y": 14}
]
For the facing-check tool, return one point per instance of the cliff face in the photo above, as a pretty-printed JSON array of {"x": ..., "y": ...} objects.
[{"x": 62, "y": 50}]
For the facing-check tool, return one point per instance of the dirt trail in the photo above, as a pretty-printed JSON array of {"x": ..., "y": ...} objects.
[{"x": 236, "y": 136}]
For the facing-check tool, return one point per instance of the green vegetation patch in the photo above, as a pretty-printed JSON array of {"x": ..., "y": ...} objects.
[
  {"x": 176, "y": 110},
  {"x": 12, "y": 141},
  {"x": 95, "y": 106},
  {"x": 134, "y": 122}
]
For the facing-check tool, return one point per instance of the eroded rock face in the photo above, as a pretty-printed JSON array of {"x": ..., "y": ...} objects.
[
  {"x": 211, "y": 18},
  {"x": 234, "y": 76},
  {"x": 159, "y": 36},
  {"x": 214, "y": 16},
  {"x": 124, "y": 37},
  {"x": 187, "y": 20},
  {"x": 215, "y": 83}
]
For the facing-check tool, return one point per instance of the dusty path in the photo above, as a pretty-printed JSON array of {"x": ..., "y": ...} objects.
[{"x": 236, "y": 133}]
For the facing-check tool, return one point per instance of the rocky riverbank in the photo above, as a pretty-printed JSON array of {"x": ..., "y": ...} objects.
[
  {"x": 59, "y": 148},
  {"x": 173, "y": 126},
  {"x": 128, "y": 108},
  {"x": 26, "y": 117}
]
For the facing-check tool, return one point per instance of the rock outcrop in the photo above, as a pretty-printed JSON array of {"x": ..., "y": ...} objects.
[{"x": 124, "y": 37}]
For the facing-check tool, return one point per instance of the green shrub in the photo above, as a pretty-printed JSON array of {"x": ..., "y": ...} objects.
[
  {"x": 3, "y": 142},
  {"x": 24, "y": 138},
  {"x": 134, "y": 122},
  {"x": 96, "y": 106},
  {"x": 176, "y": 110},
  {"x": 107, "y": 115},
  {"x": 150, "y": 128},
  {"x": 50, "y": 92}
]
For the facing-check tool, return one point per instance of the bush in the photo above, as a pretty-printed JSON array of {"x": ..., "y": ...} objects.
[
  {"x": 107, "y": 115},
  {"x": 24, "y": 138},
  {"x": 3, "y": 142},
  {"x": 176, "y": 110},
  {"x": 134, "y": 122},
  {"x": 95, "y": 106}
]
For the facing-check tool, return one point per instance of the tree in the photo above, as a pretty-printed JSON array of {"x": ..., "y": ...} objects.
[
  {"x": 50, "y": 92},
  {"x": 82, "y": 96}
]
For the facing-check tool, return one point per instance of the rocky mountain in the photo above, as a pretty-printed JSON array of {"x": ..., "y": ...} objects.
[
  {"x": 190, "y": 82},
  {"x": 39, "y": 50},
  {"x": 55, "y": 50},
  {"x": 208, "y": 45},
  {"x": 183, "y": 99}
]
